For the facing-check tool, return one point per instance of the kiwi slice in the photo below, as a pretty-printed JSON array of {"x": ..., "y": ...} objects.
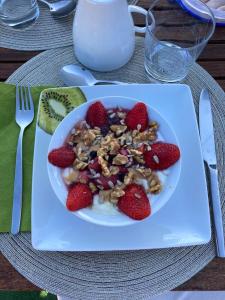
[{"x": 55, "y": 104}]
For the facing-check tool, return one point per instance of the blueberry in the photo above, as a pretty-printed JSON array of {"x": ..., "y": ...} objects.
[
  {"x": 110, "y": 160},
  {"x": 121, "y": 177},
  {"x": 93, "y": 154},
  {"x": 104, "y": 130},
  {"x": 114, "y": 121}
]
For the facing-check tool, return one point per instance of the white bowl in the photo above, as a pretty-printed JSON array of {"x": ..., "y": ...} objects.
[{"x": 170, "y": 180}]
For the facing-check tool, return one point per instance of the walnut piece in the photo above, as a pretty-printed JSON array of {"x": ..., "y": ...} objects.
[
  {"x": 120, "y": 159},
  {"x": 79, "y": 165},
  {"x": 104, "y": 165},
  {"x": 118, "y": 129}
]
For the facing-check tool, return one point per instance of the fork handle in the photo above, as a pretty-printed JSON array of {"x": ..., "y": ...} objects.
[
  {"x": 218, "y": 218},
  {"x": 18, "y": 181}
]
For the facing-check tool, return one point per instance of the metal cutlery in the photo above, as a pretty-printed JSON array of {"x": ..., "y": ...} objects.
[
  {"x": 209, "y": 156},
  {"x": 61, "y": 8},
  {"x": 75, "y": 75},
  {"x": 24, "y": 116}
]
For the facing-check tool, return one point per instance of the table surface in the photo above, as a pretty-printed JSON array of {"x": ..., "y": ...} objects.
[{"x": 212, "y": 277}]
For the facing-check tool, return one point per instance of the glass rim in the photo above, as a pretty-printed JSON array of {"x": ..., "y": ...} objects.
[{"x": 149, "y": 13}]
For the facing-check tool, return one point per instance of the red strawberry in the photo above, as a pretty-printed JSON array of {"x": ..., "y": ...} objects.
[
  {"x": 97, "y": 115},
  {"x": 62, "y": 157},
  {"x": 161, "y": 156},
  {"x": 79, "y": 196},
  {"x": 137, "y": 115},
  {"x": 106, "y": 182},
  {"x": 135, "y": 203},
  {"x": 94, "y": 165}
]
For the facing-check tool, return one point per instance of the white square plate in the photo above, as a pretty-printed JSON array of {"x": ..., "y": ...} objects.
[{"x": 183, "y": 221}]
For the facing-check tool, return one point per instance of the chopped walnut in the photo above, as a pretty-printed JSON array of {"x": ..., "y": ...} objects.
[
  {"x": 90, "y": 135},
  {"x": 104, "y": 165},
  {"x": 118, "y": 129},
  {"x": 130, "y": 177},
  {"x": 146, "y": 135},
  {"x": 153, "y": 125},
  {"x": 139, "y": 159},
  {"x": 114, "y": 170},
  {"x": 120, "y": 160},
  {"x": 121, "y": 115},
  {"x": 135, "y": 152},
  {"x": 92, "y": 187},
  {"x": 114, "y": 147},
  {"x": 71, "y": 177},
  {"x": 105, "y": 195},
  {"x": 79, "y": 165},
  {"x": 154, "y": 183}
]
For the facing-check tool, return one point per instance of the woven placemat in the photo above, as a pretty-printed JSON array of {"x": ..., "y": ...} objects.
[
  {"x": 113, "y": 275},
  {"x": 47, "y": 33}
]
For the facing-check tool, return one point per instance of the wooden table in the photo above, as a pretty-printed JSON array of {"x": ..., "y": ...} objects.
[{"x": 212, "y": 59}]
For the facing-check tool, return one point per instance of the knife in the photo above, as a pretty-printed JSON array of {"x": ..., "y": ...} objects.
[{"x": 209, "y": 156}]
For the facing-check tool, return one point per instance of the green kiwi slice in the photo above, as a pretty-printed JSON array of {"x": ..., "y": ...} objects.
[{"x": 55, "y": 104}]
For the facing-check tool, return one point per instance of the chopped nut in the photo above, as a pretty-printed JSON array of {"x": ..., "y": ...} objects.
[
  {"x": 79, "y": 165},
  {"x": 120, "y": 160},
  {"x": 130, "y": 177},
  {"x": 135, "y": 152},
  {"x": 139, "y": 159},
  {"x": 146, "y": 135},
  {"x": 104, "y": 165},
  {"x": 154, "y": 183},
  {"x": 121, "y": 115},
  {"x": 153, "y": 125},
  {"x": 92, "y": 187},
  {"x": 105, "y": 195},
  {"x": 114, "y": 170},
  {"x": 71, "y": 177},
  {"x": 118, "y": 129},
  {"x": 114, "y": 147}
]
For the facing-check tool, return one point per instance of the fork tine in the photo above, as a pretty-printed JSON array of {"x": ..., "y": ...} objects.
[
  {"x": 26, "y": 99},
  {"x": 17, "y": 98},
  {"x": 22, "y": 97},
  {"x": 30, "y": 99}
]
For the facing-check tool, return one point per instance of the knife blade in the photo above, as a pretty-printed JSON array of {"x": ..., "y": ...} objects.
[{"x": 209, "y": 156}]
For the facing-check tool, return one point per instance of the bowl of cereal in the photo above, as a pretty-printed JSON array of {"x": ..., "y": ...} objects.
[{"x": 114, "y": 161}]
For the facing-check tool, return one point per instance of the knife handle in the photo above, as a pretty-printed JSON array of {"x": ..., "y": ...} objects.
[{"x": 217, "y": 212}]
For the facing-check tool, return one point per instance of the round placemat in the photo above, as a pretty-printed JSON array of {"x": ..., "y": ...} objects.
[
  {"x": 47, "y": 32},
  {"x": 113, "y": 275}
]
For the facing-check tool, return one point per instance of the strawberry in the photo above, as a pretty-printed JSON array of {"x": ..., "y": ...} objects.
[
  {"x": 79, "y": 196},
  {"x": 106, "y": 182},
  {"x": 97, "y": 115},
  {"x": 94, "y": 165},
  {"x": 161, "y": 156},
  {"x": 62, "y": 157},
  {"x": 134, "y": 203},
  {"x": 137, "y": 115}
]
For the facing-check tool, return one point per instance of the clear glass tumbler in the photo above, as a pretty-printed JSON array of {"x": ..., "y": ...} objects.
[
  {"x": 175, "y": 38},
  {"x": 18, "y": 14}
]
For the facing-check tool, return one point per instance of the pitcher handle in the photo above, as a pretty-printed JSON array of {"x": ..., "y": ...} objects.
[{"x": 140, "y": 10}]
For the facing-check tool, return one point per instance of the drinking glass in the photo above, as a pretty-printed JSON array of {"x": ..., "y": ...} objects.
[
  {"x": 18, "y": 14},
  {"x": 175, "y": 38}
]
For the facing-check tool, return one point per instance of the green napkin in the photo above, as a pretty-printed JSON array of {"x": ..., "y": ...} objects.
[{"x": 9, "y": 132}]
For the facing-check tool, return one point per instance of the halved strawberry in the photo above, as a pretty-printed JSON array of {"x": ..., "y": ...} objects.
[
  {"x": 97, "y": 115},
  {"x": 79, "y": 196},
  {"x": 138, "y": 115},
  {"x": 62, "y": 157},
  {"x": 161, "y": 156},
  {"x": 106, "y": 182},
  {"x": 135, "y": 202},
  {"x": 95, "y": 165}
]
